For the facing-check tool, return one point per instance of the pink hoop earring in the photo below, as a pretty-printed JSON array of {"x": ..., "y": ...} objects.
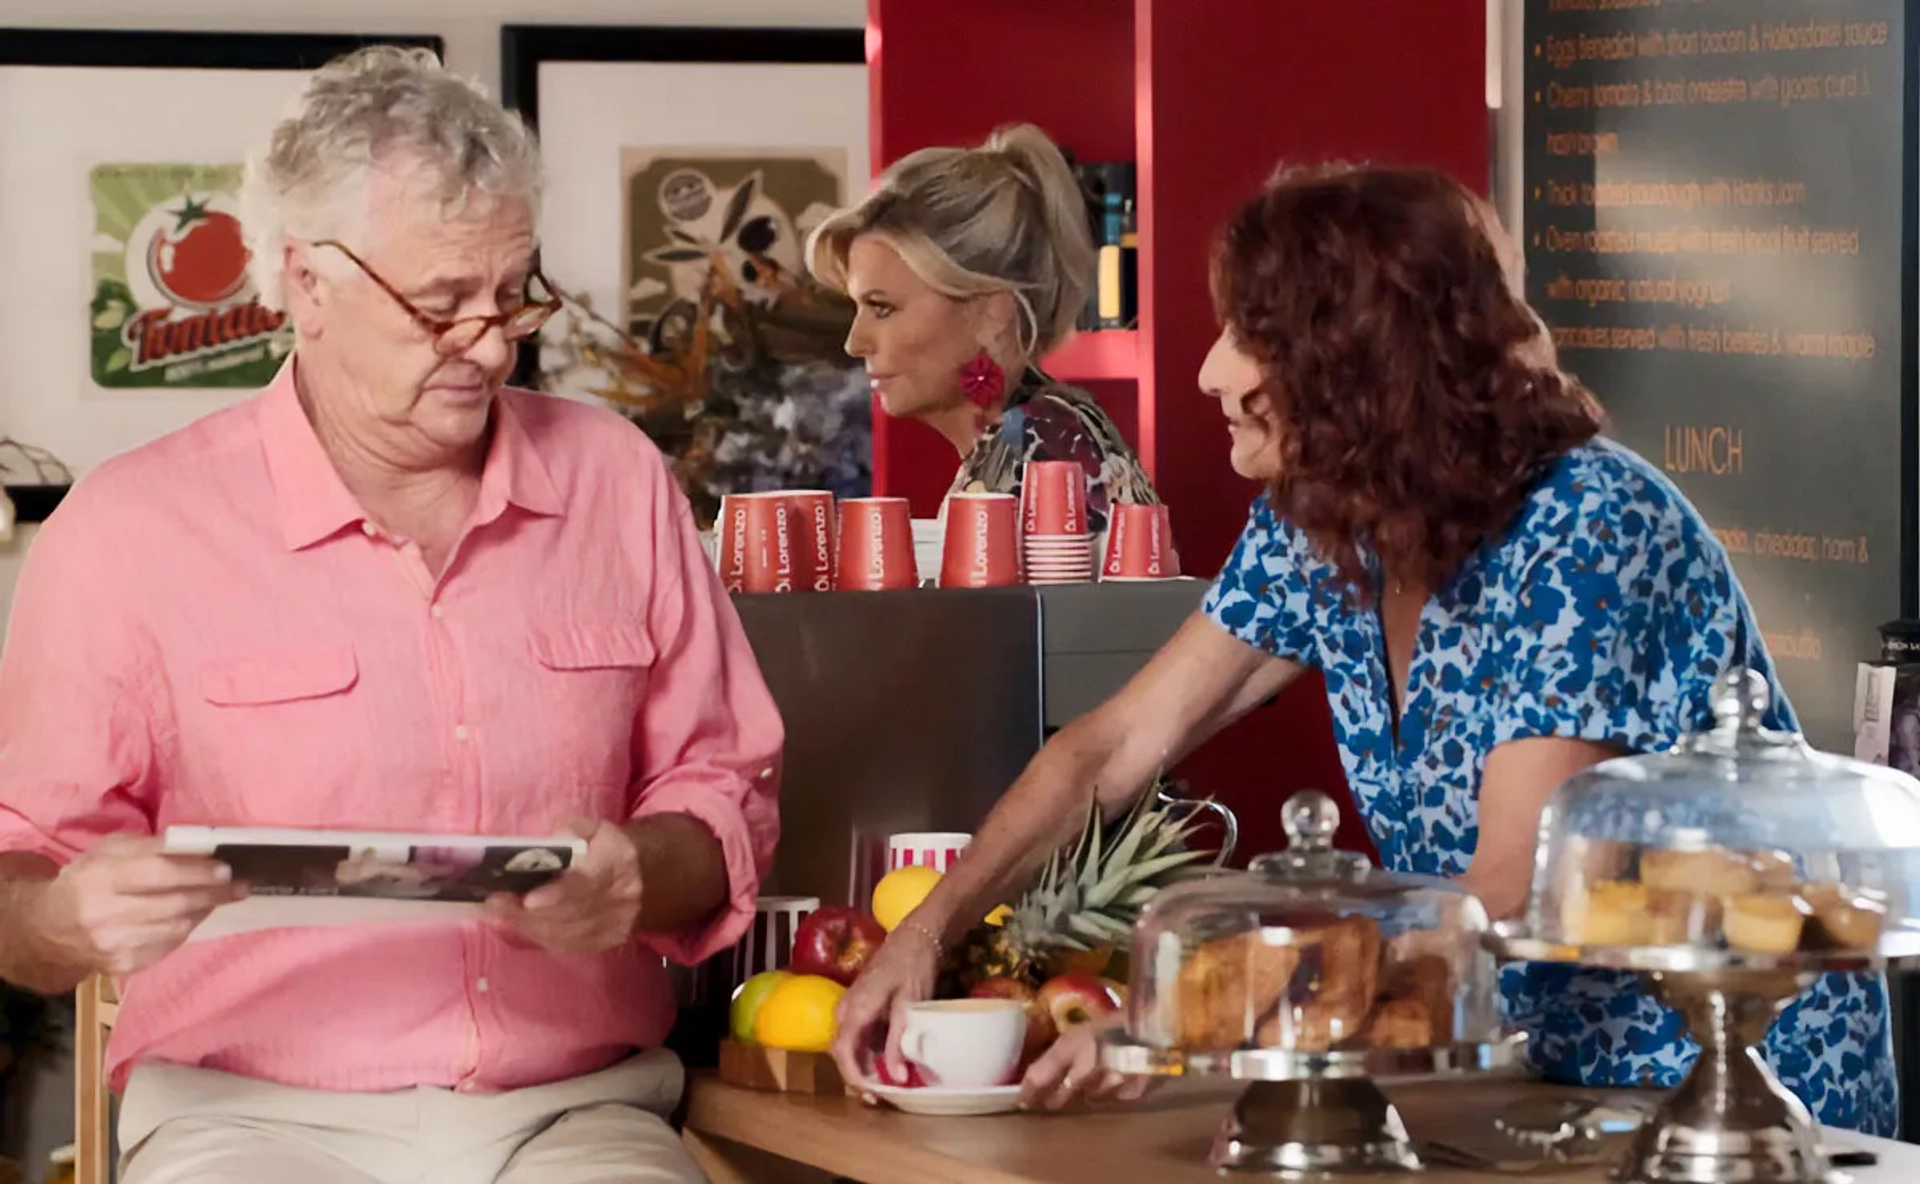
[{"x": 983, "y": 381}]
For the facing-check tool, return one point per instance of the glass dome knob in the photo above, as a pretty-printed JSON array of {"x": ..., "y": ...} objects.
[
  {"x": 1741, "y": 698},
  {"x": 1311, "y": 821}
]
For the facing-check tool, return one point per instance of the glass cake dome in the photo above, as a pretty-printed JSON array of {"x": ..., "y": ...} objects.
[
  {"x": 1311, "y": 956},
  {"x": 1739, "y": 839}
]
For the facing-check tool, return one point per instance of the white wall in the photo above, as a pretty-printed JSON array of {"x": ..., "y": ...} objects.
[{"x": 471, "y": 27}]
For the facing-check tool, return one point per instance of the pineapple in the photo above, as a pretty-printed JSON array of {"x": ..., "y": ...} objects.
[{"x": 1082, "y": 907}]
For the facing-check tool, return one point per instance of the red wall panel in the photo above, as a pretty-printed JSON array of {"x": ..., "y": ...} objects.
[
  {"x": 1226, "y": 91},
  {"x": 949, "y": 72}
]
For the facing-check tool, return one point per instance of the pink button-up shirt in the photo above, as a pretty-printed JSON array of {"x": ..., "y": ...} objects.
[{"x": 210, "y": 632}]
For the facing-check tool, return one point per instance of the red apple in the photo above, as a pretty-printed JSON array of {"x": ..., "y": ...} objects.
[
  {"x": 913, "y": 1081},
  {"x": 1001, "y": 987},
  {"x": 835, "y": 942},
  {"x": 1075, "y": 999},
  {"x": 1040, "y": 1027}
]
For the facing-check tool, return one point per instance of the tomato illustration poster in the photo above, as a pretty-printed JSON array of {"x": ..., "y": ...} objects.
[{"x": 172, "y": 305}]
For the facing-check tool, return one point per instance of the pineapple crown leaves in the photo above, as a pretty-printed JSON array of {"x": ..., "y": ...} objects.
[{"x": 1091, "y": 891}]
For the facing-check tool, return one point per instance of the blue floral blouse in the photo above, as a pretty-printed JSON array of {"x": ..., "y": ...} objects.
[{"x": 1604, "y": 613}]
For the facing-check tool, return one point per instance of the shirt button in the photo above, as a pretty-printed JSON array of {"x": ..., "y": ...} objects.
[
  {"x": 370, "y": 530},
  {"x": 460, "y": 732},
  {"x": 465, "y": 1087},
  {"x": 438, "y": 612},
  {"x": 481, "y": 986}
]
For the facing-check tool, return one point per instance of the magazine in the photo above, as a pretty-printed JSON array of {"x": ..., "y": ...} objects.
[{"x": 316, "y": 877}]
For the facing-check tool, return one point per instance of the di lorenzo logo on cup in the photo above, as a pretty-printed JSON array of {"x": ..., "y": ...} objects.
[
  {"x": 822, "y": 547},
  {"x": 172, "y": 304},
  {"x": 876, "y": 547},
  {"x": 783, "y": 547}
]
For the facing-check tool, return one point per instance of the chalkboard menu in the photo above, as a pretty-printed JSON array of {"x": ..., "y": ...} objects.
[{"x": 1715, "y": 229}]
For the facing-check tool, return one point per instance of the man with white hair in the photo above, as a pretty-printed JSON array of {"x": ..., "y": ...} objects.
[{"x": 386, "y": 593}]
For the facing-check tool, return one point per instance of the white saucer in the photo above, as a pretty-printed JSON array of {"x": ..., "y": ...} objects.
[{"x": 947, "y": 1102}]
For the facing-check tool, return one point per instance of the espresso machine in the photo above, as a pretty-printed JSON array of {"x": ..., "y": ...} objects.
[{"x": 915, "y": 710}]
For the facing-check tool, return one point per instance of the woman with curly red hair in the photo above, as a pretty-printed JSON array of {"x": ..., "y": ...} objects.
[{"x": 1496, "y": 596}]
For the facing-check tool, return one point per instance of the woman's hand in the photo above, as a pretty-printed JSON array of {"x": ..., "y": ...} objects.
[
  {"x": 1070, "y": 1070},
  {"x": 873, "y": 1013}
]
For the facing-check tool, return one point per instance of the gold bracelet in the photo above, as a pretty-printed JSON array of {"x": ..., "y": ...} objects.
[{"x": 939, "y": 947}]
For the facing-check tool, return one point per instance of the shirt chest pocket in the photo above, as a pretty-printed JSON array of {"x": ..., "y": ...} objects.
[
  {"x": 287, "y": 675},
  {"x": 593, "y": 681},
  {"x": 263, "y": 711}
]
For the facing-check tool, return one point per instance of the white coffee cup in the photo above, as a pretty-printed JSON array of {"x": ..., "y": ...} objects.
[{"x": 965, "y": 1043}]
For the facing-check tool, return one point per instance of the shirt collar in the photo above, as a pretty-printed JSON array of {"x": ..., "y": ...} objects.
[{"x": 315, "y": 504}]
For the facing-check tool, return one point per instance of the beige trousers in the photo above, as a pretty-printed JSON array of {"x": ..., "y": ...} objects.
[{"x": 196, "y": 1126}]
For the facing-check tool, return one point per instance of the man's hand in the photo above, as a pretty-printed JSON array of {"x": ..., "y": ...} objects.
[
  {"x": 593, "y": 907},
  {"x": 123, "y": 905}
]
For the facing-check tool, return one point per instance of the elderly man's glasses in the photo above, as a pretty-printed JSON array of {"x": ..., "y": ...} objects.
[{"x": 458, "y": 336}]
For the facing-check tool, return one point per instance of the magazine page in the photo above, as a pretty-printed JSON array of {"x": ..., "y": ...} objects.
[{"x": 300, "y": 878}]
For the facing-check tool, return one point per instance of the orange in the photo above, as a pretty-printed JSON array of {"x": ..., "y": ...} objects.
[{"x": 797, "y": 1014}]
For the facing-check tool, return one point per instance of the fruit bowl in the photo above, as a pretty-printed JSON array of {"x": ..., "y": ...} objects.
[
  {"x": 1310, "y": 976},
  {"x": 1062, "y": 945},
  {"x": 1058, "y": 948}
]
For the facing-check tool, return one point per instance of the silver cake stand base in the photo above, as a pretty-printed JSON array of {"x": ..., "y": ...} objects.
[
  {"x": 1300, "y": 1129},
  {"x": 1730, "y": 1121},
  {"x": 1309, "y": 1115}
]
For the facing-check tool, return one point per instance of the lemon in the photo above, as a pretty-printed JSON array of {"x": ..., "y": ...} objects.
[
  {"x": 797, "y": 1014},
  {"x": 748, "y": 997},
  {"x": 899, "y": 892}
]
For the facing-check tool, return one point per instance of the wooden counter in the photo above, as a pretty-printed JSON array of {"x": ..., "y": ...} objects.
[{"x": 746, "y": 1137}]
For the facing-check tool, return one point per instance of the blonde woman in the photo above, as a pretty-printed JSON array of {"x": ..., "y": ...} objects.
[{"x": 967, "y": 265}]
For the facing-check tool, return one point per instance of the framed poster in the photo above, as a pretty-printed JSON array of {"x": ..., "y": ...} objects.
[
  {"x": 685, "y": 167},
  {"x": 130, "y": 313}
]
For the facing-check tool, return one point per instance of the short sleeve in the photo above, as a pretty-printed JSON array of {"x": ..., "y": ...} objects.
[
  {"x": 1619, "y": 627},
  {"x": 1273, "y": 593}
]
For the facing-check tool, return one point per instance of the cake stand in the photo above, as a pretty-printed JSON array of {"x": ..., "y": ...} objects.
[{"x": 1730, "y": 1121}]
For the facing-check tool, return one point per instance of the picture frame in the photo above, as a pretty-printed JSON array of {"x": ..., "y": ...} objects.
[
  {"x": 137, "y": 110},
  {"x": 685, "y": 166}
]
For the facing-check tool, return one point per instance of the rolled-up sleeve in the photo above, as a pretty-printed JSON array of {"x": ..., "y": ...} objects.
[
  {"x": 77, "y": 693},
  {"x": 708, "y": 739}
]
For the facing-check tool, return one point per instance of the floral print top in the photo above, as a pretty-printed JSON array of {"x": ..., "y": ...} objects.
[
  {"x": 1604, "y": 612},
  {"x": 1048, "y": 420}
]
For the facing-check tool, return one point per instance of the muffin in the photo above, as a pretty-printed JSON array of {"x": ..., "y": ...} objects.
[
  {"x": 1765, "y": 922},
  {"x": 1842, "y": 919},
  {"x": 1609, "y": 913}
]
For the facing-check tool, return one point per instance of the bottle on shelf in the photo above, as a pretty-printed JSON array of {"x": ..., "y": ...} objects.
[
  {"x": 1109, "y": 189},
  {"x": 1114, "y": 286}
]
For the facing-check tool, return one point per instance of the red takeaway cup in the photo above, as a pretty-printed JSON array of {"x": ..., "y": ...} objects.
[
  {"x": 1053, "y": 497},
  {"x": 982, "y": 547},
  {"x": 876, "y": 545},
  {"x": 1139, "y": 543}
]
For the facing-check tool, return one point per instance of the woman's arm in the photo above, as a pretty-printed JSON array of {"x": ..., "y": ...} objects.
[
  {"x": 1514, "y": 786},
  {"x": 1200, "y": 681}
]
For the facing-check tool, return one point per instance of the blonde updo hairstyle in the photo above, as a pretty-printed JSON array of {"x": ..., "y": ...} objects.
[{"x": 1008, "y": 216}]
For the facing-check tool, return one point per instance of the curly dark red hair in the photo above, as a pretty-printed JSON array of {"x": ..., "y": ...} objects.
[{"x": 1413, "y": 393}]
